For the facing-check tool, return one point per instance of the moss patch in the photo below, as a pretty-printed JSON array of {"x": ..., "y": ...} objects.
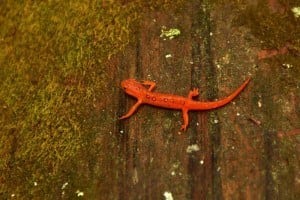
[
  {"x": 52, "y": 68},
  {"x": 52, "y": 74}
]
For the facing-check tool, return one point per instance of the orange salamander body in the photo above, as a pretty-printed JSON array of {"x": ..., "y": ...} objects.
[{"x": 146, "y": 95}]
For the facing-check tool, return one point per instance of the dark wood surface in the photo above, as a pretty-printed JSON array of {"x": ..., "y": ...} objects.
[{"x": 238, "y": 152}]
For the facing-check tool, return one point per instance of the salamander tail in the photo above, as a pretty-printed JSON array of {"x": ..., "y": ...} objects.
[{"x": 216, "y": 104}]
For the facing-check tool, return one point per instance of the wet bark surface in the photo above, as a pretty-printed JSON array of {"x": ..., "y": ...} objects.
[
  {"x": 233, "y": 155},
  {"x": 153, "y": 148}
]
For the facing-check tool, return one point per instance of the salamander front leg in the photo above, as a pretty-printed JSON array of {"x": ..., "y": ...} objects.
[
  {"x": 185, "y": 119},
  {"x": 149, "y": 83},
  {"x": 193, "y": 93},
  {"x": 132, "y": 109}
]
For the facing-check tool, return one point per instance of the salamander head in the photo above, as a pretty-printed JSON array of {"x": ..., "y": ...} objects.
[{"x": 132, "y": 87}]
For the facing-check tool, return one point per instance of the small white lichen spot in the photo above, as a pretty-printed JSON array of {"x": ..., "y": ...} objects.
[
  {"x": 216, "y": 121},
  {"x": 192, "y": 148},
  {"x": 64, "y": 185},
  {"x": 259, "y": 104},
  {"x": 168, "y": 56},
  {"x": 168, "y": 195},
  {"x": 12, "y": 195},
  {"x": 79, "y": 193},
  {"x": 151, "y": 160},
  {"x": 296, "y": 11},
  {"x": 201, "y": 162},
  {"x": 121, "y": 131},
  {"x": 238, "y": 114},
  {"x": 35, "y": 183},
  {"x": 286, "y": 65}
]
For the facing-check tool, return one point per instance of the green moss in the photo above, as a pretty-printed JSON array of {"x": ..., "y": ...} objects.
[
  {"x": 273, "y": 28},
  {"x": 52, "y": 59},
  {"x": 51, "y": 69}
]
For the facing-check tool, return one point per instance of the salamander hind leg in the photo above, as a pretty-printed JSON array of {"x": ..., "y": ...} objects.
[
  {"x": 185, "y": 119},
  {"x": 193, "y": 93}
]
